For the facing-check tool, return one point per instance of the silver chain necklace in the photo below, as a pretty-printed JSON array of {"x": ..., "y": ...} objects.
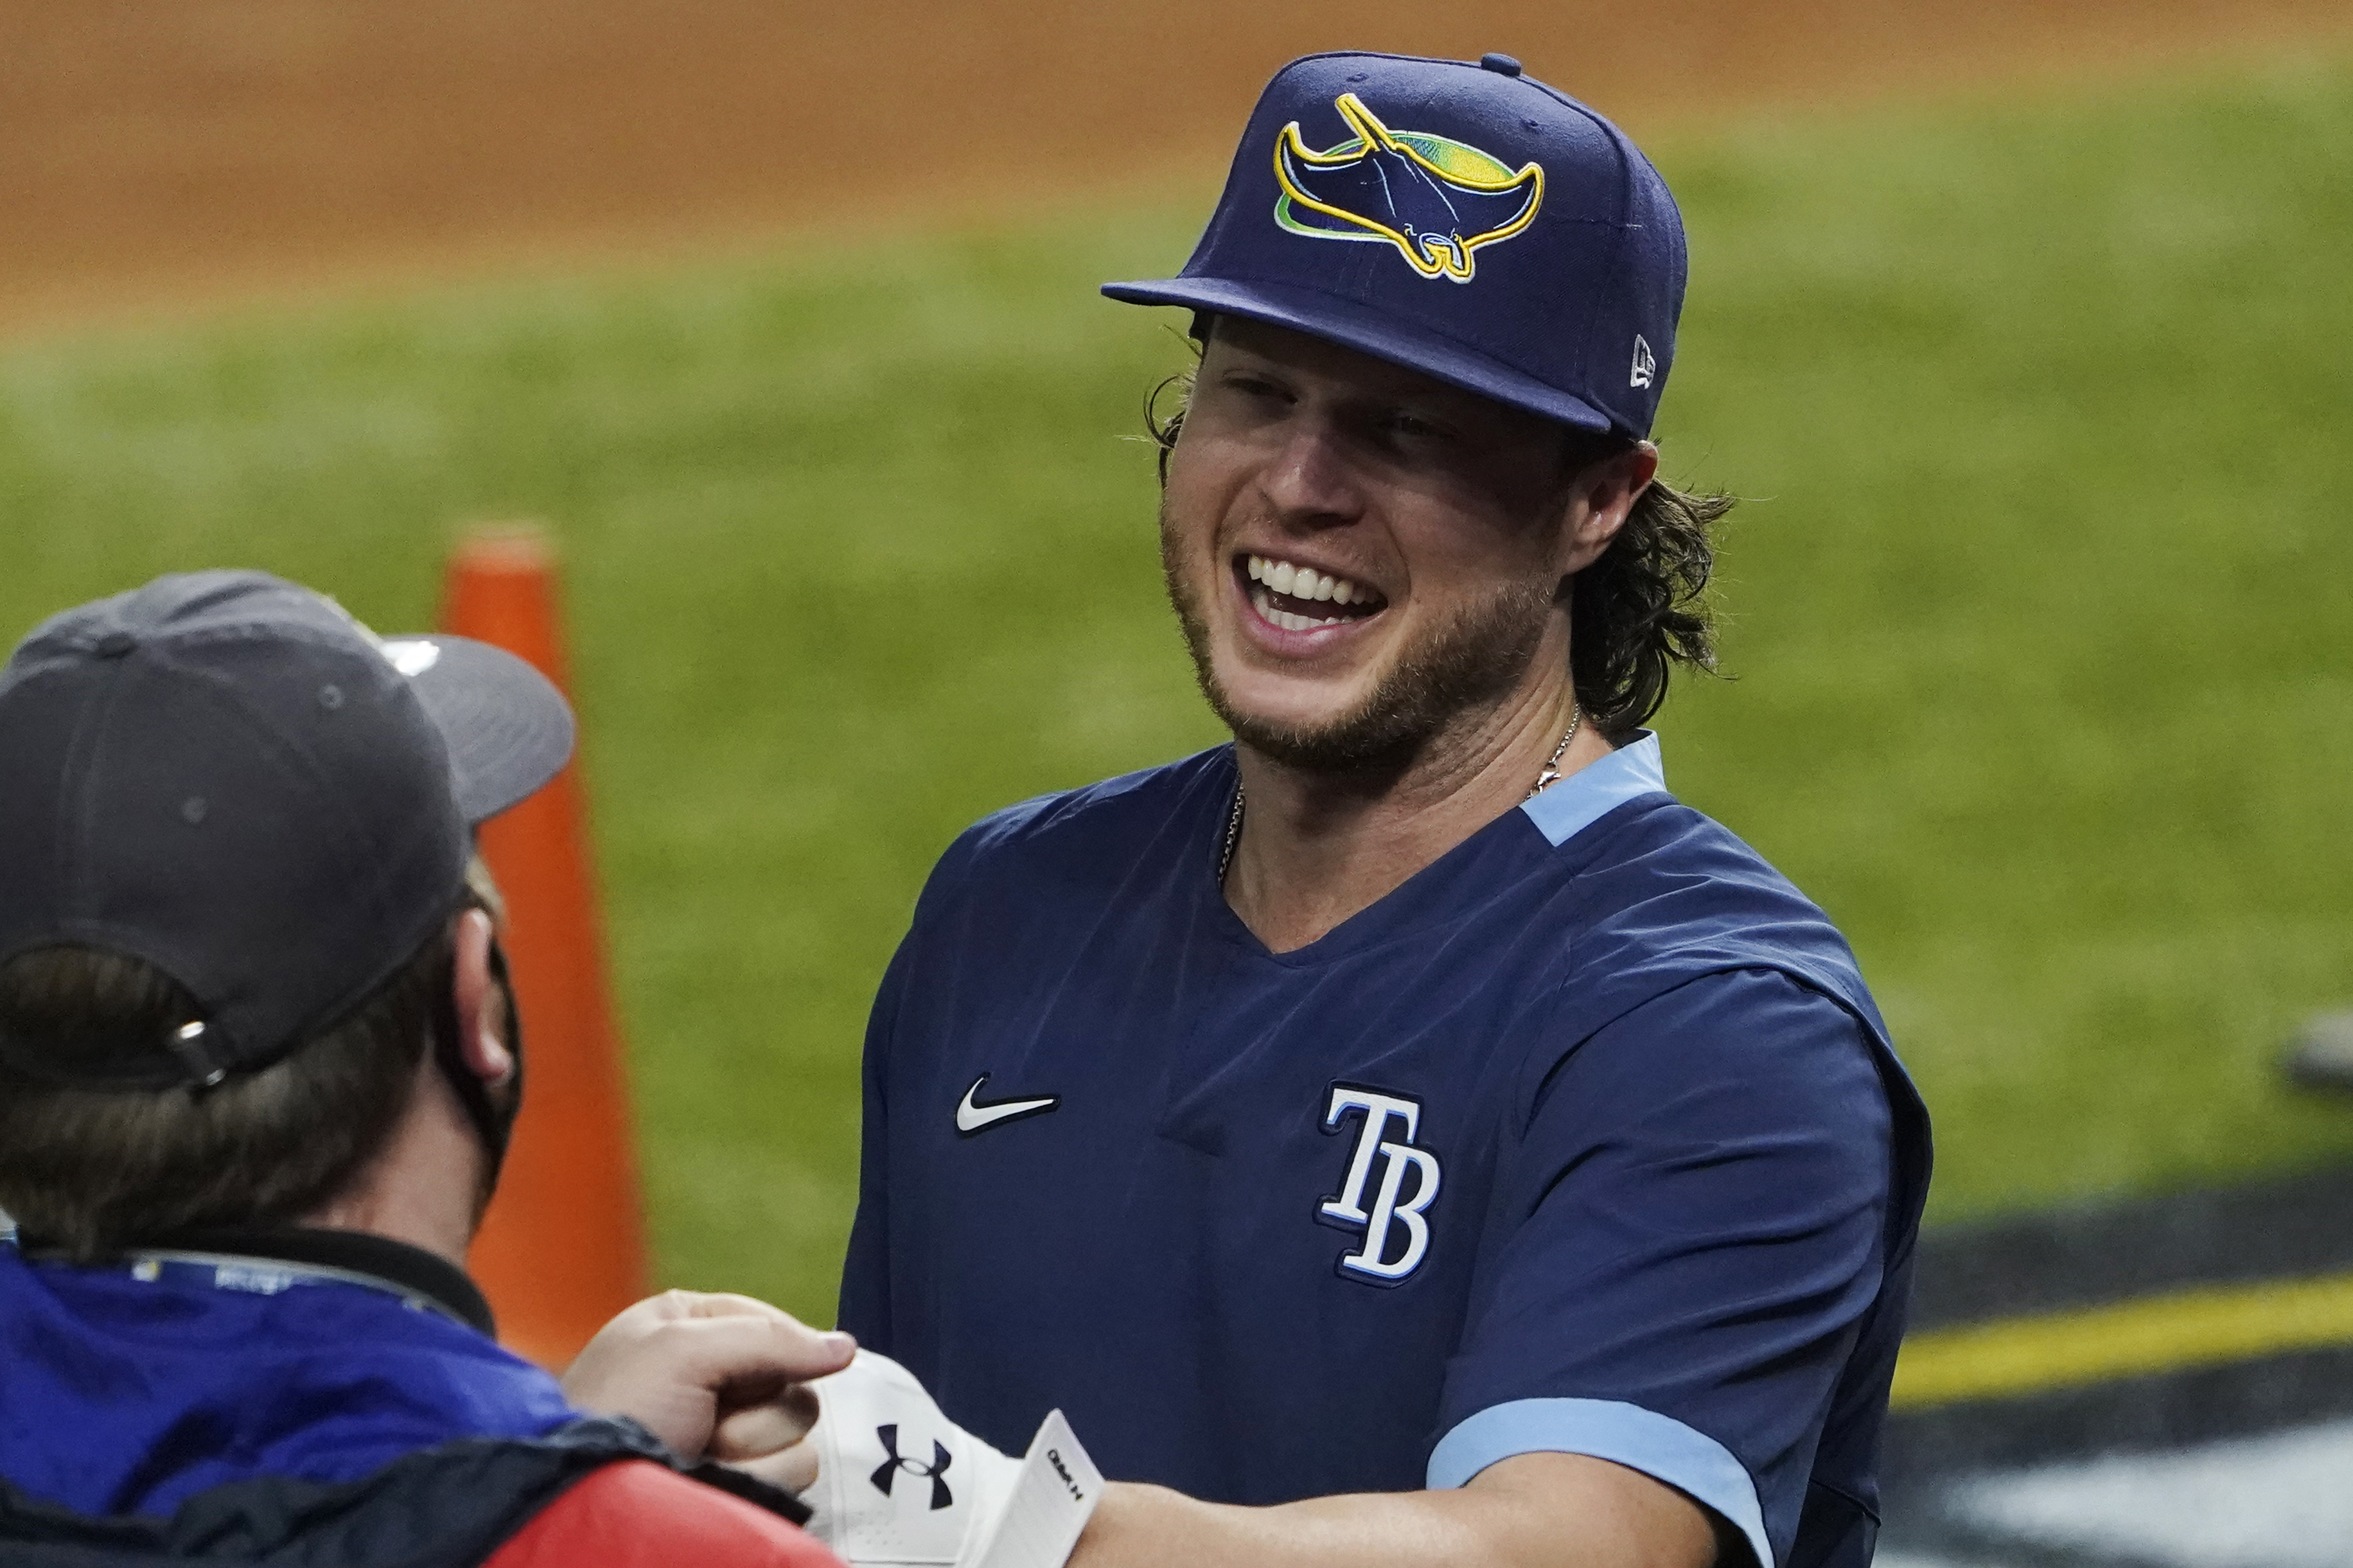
[{"x": 1548, "y": 777}]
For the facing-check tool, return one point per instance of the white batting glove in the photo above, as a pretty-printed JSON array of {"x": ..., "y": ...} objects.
[{"x": 898, "y": 1485}]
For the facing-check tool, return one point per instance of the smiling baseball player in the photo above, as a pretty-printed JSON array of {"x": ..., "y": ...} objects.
[{"x": 1408, "y": 1133}]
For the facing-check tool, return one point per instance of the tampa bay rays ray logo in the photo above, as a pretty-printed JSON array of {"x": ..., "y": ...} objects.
[{"x": 1437, "y": 200}]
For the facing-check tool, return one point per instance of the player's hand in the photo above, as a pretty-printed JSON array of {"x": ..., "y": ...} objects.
[{"x": 682, "y": 1363}]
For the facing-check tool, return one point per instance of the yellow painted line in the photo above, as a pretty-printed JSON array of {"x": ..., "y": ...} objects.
[{"x": 2203, "y": 1327}]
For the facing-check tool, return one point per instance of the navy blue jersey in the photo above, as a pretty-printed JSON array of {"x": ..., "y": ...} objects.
[{"x": 1588, "y": 1139}]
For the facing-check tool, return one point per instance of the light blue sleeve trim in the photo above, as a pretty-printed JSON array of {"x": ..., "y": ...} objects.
[
  {"x": 1659, "y": 1446},
  {"x": 1584, "y": 796}
]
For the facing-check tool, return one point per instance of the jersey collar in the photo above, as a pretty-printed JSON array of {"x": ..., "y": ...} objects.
[
  {"x": 1598, "y": 788},
  {"x": 1568, "y": 808}
]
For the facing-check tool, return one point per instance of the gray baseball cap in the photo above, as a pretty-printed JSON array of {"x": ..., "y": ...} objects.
[{"x": 225, "y": 775}]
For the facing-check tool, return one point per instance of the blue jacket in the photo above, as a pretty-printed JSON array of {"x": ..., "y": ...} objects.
[
  {"x": 321, "y": 1399},
  {"x": 129, "y": 1388}
]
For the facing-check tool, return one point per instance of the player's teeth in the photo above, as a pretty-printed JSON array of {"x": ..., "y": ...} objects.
[
  {"x": 1284, "y": 618},
  {"x": 1306, "y": 583},
  {"x": 1264, "y": 603}
]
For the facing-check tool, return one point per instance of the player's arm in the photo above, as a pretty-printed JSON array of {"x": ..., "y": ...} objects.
[
  {"x": 1703, "y": 1191},
  {"x": 1532, "y": 1510},
  {"x": 1052, "y": 1509}
]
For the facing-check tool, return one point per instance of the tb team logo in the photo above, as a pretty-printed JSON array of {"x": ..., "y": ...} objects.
[
  {"x": 1397, "y": 1231},
  {"x": 1436, "y": 199}
]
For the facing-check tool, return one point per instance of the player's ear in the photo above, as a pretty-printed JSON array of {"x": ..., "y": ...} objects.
[
  {"x": 1600, "y": 499},
  {"x": 479, "y": 1003}
]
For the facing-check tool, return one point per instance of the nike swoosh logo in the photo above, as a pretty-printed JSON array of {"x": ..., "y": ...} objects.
[{"x": 971, "y": 1116}]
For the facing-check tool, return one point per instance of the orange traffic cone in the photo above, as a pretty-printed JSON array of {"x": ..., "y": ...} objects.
[{"x": 563, "y": 1248}]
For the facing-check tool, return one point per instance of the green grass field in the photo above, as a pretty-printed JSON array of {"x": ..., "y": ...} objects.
[{"x": 2040, "y": 617}]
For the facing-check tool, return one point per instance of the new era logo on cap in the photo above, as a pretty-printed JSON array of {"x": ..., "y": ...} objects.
[{"x": 1557, "y": 241}]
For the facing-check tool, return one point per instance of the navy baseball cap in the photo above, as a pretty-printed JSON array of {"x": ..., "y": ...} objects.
[
  {"x": 1459, "y": 218},
  {"x": 225, "y": 775}
]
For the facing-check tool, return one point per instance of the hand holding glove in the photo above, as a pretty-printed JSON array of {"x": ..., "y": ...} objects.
[{"x": 684, "y": 1362}]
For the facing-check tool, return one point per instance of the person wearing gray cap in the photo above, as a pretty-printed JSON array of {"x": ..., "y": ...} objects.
[
  {"x": 258, "y": 1066},
  {"x": 1409, "y": 1133}
]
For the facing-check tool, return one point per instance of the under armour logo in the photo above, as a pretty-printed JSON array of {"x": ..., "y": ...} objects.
[
  {"x": 1645, "y": 367},
  {"x": 888, "y": 1471},
  {"x": 1379, "y": 1260}
]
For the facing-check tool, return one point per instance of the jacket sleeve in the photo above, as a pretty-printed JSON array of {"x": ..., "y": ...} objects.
[{"x": 636, "y": 1514}]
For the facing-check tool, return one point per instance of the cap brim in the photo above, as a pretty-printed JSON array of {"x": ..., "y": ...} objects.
[
  {"x": 508, "y": 729},
  {"x": 1358, "y": 326}
]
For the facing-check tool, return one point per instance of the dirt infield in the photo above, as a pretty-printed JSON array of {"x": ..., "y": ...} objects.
[{"x": 156, "y": 154}]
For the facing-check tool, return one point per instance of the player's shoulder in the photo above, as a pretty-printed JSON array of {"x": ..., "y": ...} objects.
[
  {"x": 1674, "y": 916},
  {"x": 1114, "y": 807},
  {"x": 1655, "y": 893},
  {"x": 1099, "y": 828},
  {"x": 1698, "y": 959},
  {"x": 1666, "y": 854}
]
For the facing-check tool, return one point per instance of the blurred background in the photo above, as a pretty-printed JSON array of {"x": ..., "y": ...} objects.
[{"x": 2023, "y": 325}]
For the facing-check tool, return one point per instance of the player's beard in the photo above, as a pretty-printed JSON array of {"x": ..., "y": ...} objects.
[{"x": 1463, "y": 661}]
